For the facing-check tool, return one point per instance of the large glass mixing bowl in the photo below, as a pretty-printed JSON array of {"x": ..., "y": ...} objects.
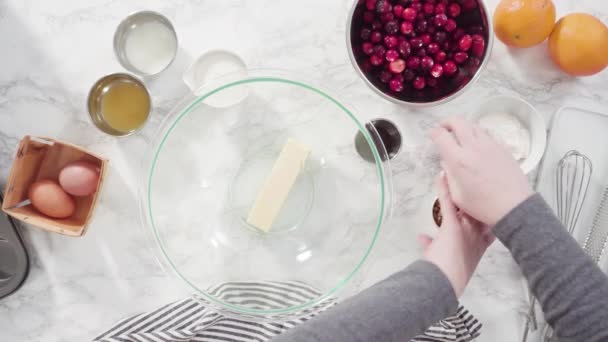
[{"x": 207, "y": 165}]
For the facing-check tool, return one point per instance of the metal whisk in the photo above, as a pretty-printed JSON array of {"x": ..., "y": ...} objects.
[
  {"x": 595, "y": 243},
  {"x": 574, "y": 172},
  {"x": 573, "y": 176}
]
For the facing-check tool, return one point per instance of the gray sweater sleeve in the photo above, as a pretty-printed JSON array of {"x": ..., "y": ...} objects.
[
  {"x": 570, "y": 287},
  {"x": 395, "y": 309}
]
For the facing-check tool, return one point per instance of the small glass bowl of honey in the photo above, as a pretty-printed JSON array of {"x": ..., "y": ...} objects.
[{"x": 119, "y": 104}]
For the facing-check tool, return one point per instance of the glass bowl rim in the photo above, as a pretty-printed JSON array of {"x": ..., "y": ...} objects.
[{"x": 165, "y": 129}]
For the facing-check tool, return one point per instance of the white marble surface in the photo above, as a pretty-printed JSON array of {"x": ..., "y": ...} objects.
[{"x": 53, "y": 51}]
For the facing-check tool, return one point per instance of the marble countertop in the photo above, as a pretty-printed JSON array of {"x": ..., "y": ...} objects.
[{"x": 52, "y": 52}]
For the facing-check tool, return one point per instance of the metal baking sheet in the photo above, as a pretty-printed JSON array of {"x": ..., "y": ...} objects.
[{"x": 587, "y": 132}]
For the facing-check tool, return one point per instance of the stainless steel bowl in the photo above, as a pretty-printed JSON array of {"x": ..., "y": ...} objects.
[{"x": 487, "y": 18}]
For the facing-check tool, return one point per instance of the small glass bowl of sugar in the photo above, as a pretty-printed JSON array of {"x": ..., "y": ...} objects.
[{"x": 145, "y": 43}]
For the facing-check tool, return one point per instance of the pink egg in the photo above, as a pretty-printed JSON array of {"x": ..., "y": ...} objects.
[{"x": 79, "y": 178}]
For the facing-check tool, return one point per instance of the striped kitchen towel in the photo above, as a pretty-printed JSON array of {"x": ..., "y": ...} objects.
[{"x": 193, "y": 320}]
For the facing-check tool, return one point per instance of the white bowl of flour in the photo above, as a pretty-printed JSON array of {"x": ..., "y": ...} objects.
[{"x": 516, "y": 124}]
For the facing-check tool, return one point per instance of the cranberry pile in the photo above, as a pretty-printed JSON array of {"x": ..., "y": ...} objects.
[{"x": 418, "y": 50}]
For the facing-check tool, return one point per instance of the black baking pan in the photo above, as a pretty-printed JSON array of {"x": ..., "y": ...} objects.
[{"x": 14, "y": 263}]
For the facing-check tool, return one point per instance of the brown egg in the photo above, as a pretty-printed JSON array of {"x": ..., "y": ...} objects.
[{"x": 50, "y": 199}]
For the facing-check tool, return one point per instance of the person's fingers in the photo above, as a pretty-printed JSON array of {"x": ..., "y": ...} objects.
[
  {"x": 462, "y": 129},
  {"x": 479, "y": 132},
  {"x": 446, "y": 144},
  {"x": 489, "y": 239},
  {"x": 424, "y": 241},
  {"x": 480, "y": 230},
  {"x": 475, "y": 224},
  {"x": 448, "y": 209}
]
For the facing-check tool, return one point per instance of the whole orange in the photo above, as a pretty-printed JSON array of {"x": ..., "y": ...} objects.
[
  {"x": 524, "y": 23},
  {"x": 579, "y": 44}
]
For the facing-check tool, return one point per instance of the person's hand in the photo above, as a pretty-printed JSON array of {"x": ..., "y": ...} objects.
[
  {"x": 484, "y": 179},
  {"x": 461, "y": 242}
]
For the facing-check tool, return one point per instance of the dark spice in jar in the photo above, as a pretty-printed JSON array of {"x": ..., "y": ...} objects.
[{"x": 437, "y": 217}]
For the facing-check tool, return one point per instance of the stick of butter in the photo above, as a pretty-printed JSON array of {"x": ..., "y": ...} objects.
[{"x": 276, "y": 188}]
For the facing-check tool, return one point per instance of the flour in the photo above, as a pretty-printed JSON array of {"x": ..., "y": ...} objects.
[{"x": 507, "y": 129}]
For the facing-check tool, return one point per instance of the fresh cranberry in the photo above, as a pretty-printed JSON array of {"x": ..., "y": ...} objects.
[
  {"x": 475, "y": 30},
  {"x": 426, "y": 39},
  {"x": 464, "y": 44},
  {"x": 450, "y": 25},
  {"x": 409, "y": 14},
  {"x": 420, "y": 16},
  {"x": 397, "y": 66},
  {"x": 390, "y": 41},
  {"x": 396, "y": 85},
  {"x": 458, "y": 33},
  {"x": 413, "y": 62},
  {"x": 437, "y": 71},
  {"x": 446, "y": 46},
  {"x": 416, "y": 43},
  {"x": 383, "y": 6},
  {"x": 419, "y": 83},
  {"x": 385, "y": 76},
  {"x": 469, "y": 5},
  {"x": 421, "y": 52},
  {"x": 417, "y": 6},
  {"x": 473, "y": 63},
  {"x": 404, "y": 49},
  {"x": 365, "y": 33},
  {"x": 431, "y": 29},
  {"x": 376, "y": 37},
  {"x": 428, "y": 8},
  {"x": 367, "y": 48},
  {"x": 460, "y": 57},
  {"x": 392, "y": 27},
  {"x": 407, "y": 27},
  {"x": 376, "y": 60},
  {"x": 368, "y": 17},
  {"x": 386, "y": 17},
  {"x": 376, "y": 25},
  {"x": 370, "y": 4},
  {"x": 366, "y": 66},
  {"x": 478, "y": 46},
  {"x": 422, "y": 25},
  {"x": 398, "y": 77},
  {"x": 440, "y": 37},
  {"x": 408, "y": 75},
  {"x": 433, "y": 48},
  {"x": 454, "y": 10},
  {"x": 440, "y": 57},
  {"x": 391, "y": 55},
  {"x": 440, "y": 8},
  {"x": 379, "y": 50},
  {"x": 440, "y": 20},
  {"x": 449, "y": 68},
  {"x": 398, "y": 10},
  {"x": 426, "y": 63},
  {"x": 431, "y": 82}
]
